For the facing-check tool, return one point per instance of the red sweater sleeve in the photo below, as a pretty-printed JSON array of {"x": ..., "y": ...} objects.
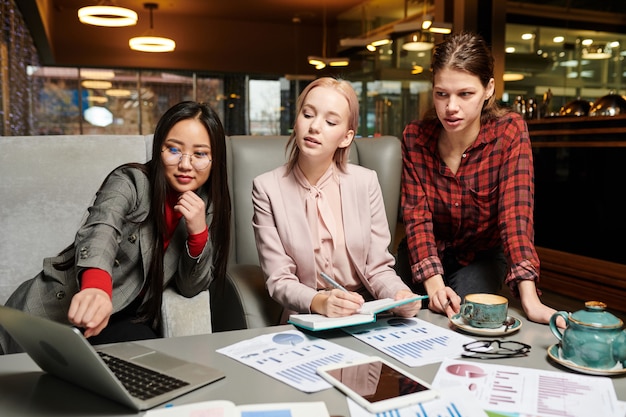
[
  {"x": 196, "y": 242},
  {"x": 97, "y": 278}
]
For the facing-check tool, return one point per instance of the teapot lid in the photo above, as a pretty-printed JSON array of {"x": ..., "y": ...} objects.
[{"x": 595, "y": 315}]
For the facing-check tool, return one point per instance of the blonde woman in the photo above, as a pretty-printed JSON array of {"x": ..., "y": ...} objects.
[{"x": 318, "y": 213}]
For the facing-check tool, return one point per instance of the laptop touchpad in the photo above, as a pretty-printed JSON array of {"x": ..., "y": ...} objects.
[{"x": 156, "y": 360}]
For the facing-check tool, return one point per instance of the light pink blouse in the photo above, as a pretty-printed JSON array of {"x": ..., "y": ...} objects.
[{"x": 324, "y": 215}]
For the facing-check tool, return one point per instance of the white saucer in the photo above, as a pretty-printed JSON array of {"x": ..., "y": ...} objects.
[
  {"x": 460, "y": 322},
  {"x": 554, "y": 352}
]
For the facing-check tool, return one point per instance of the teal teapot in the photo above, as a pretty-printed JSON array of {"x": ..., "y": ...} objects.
[{"x": 593, "y": 337}]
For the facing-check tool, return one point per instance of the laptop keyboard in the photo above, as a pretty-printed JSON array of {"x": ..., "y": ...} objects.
[{"x": 141, "y": 382}]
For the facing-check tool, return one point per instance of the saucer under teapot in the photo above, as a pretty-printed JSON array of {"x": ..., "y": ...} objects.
[{"x": 593, "y": 337}]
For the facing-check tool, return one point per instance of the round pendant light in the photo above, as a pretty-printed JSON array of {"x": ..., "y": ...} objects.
[
  {"x": 110, "y": 16},
  {"x": 418, "y": 43},
  {"x": 150, "y": 42}
]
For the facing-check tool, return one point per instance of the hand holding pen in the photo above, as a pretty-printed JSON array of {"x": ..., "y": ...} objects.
[
  {"x": 452, "y": 303},
  {"x": 336, "y": 303},
  {"x": 332, "y": 282},
  {"x": 407, "y": 310}
]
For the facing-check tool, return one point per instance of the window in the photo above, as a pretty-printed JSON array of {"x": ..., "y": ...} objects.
[{"x": 264, "y": 107}]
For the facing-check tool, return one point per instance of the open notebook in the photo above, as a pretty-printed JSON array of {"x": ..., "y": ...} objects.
[
  {"x": 367, "y": 314},
  {"x": 129, "y": 373}
]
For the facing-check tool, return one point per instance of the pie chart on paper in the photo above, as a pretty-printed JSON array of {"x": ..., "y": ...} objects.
[
  {"x": 466, "y": 370},
  {"x": 400, "y": 322},
  {"x": 287, "y": 339}
]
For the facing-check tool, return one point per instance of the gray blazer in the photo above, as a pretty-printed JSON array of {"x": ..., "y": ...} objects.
[{"x": 113, "y": 239}]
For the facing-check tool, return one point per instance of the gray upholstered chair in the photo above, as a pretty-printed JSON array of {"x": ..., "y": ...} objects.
[
  {"x": 244, "y": 301},
  {"x": 48, "y": 182}
]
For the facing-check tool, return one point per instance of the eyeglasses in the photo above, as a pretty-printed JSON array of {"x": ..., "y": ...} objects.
[
  {"x": 492, "y": 349},
  {"x": 173, "y": 156}
]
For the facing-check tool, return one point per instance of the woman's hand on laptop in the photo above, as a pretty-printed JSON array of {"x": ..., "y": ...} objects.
[{"x": 90, "y": 309}]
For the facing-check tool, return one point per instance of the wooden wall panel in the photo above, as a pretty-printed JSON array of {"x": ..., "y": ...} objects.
[{"x": 583, "y": 278}]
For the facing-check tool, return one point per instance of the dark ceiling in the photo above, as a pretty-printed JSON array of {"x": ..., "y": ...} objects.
[
  {"x": 251, "y": 36},
  {"x": 259, "y": 37}
]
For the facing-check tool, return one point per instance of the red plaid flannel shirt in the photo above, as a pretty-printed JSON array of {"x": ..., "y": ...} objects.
[{"x": 489, "y": 202}]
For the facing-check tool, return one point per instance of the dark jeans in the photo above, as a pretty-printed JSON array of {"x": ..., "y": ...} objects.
[
  {"x": 484, "y": 275},
  {"x": 124, "y": 327}
]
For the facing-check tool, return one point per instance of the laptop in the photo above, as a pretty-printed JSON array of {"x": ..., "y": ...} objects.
[{"x": 61, "y": 350}]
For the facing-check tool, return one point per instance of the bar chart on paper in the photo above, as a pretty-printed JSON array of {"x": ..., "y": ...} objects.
[
  {"x": 291, "y": 357},
  {"x": 506, "y": 388},
  {"x": 412, "y": 341},
  {"x": 563, "y": 396},
  {"x": 556, "y": 395},
  {"x": 526, "y": 391},
  {"x": 449, "y": 409},
  {"x": 450, "y": 404}
]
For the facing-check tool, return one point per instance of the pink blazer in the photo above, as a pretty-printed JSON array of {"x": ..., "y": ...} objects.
[{"x": 283, "y": 237}]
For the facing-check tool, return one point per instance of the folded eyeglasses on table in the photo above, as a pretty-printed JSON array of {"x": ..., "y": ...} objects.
[{"x": 493, "y": 349}]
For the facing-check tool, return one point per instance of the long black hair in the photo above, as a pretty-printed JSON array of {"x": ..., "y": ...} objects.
[{"x": 216, "y": 187}]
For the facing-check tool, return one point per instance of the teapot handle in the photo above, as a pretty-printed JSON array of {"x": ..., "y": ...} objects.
[{"x": 554, "y": 328}]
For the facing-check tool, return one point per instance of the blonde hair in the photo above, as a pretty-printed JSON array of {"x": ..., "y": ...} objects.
[{"x": 344, "y": 88}]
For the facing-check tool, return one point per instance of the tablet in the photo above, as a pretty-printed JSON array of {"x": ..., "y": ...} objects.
[{"x": 376, "y": 384}]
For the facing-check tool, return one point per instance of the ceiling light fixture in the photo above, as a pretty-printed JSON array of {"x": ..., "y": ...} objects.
[
  {"x": 149, "y": 42},
  {"x": 419, "y": 35},
  {"x": 596, "y": 51},
  {"x": 427, "y": 21},
  {"x": 108, "y": 15},
  {"x": 320, "y": 62},
  {"x": 371, "y": 43},
  {"x": 97, "y": 99},
  {"x": 118, "y": 92},
  {"x": 96, "y": 84},
  {"x": 98, "y": 116},
  {"x": 443, "y": 28},
  {"x": 512, "y": 76},
  {"x": 377, "y": 44},
  {"x": 97, "y": 74},
  {"x": 418, "y": 42}
]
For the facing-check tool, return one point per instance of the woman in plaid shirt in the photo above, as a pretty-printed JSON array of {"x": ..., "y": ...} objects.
[{"x": 467, "y": 188}]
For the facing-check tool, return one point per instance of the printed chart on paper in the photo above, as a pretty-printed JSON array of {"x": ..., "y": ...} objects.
[{"x": 412, "y": 341}]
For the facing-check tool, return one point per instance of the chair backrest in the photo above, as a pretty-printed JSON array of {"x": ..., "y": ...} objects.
[
  {"x": 244, "y": 302},
  {"x": 48, "y": 182},
  {"x": 249, "y": 156}
]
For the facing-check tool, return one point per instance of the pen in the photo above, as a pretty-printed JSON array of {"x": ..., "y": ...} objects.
[{"x": 332, "y": 282}]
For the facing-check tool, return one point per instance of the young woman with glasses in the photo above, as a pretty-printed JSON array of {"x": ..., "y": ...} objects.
[{"x": 165, "y": 222}]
